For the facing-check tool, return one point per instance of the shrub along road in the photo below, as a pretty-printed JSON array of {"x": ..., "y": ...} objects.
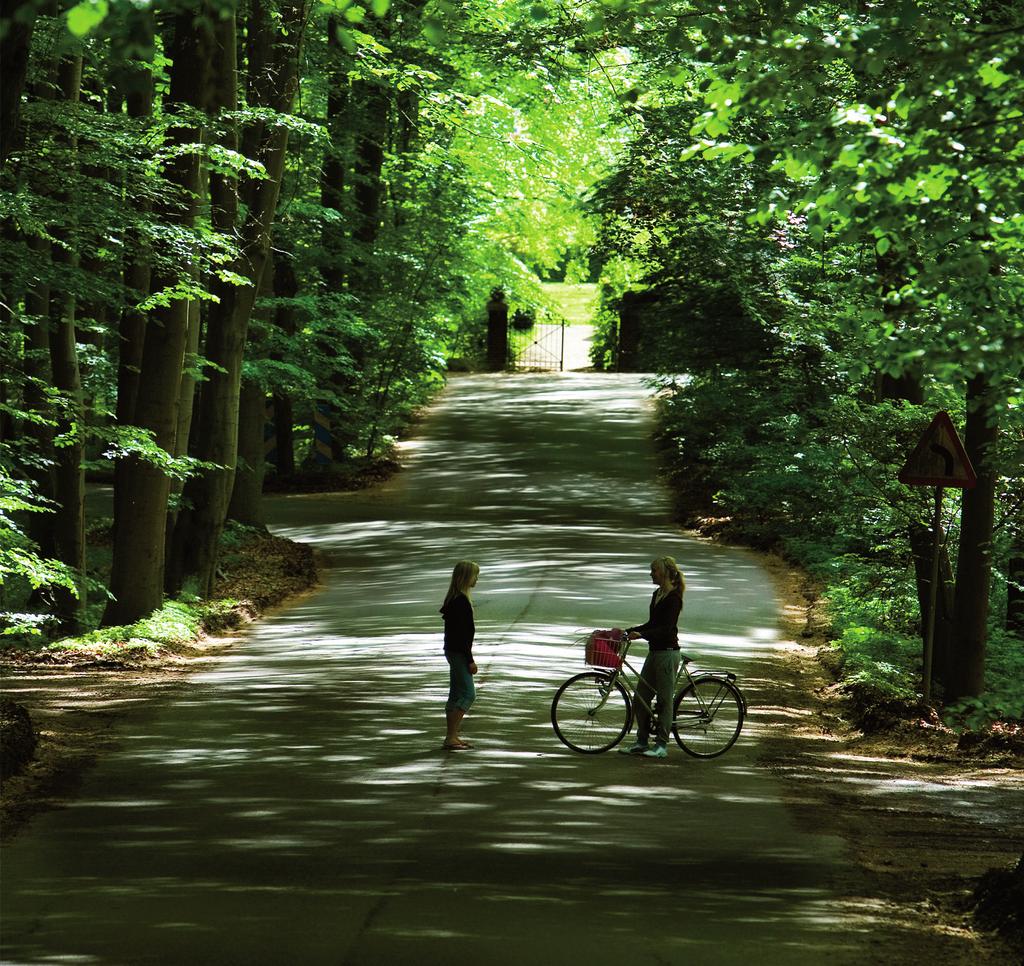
[{"x": 295, "y": 806}]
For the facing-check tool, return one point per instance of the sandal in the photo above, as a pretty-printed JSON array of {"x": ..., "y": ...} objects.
[{"x": 455, "y": 746}]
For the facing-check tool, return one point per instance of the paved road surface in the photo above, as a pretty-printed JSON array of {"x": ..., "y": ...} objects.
[{"x": 296, "y": 808}]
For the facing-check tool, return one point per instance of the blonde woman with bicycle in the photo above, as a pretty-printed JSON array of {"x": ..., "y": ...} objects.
[
  {"x": 658, "y": 676},
  {"x": 459, "y": 631}
]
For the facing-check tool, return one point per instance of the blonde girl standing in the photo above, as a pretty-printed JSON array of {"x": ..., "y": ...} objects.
[
  {"x": 658, "y": 676},
  {"x": 459, "y": 631}
]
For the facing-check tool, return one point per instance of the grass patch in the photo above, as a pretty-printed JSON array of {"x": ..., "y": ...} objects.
[
  {"x": 576, "y": 303},
  {"x": 171, "y": 629}
]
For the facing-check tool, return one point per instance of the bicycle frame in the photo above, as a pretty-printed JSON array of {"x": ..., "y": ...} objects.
[{"x": 683, "y": 678}]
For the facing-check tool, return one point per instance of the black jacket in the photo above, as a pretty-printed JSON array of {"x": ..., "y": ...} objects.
[
  {"x": 661, "y": 630},
  {"x": 459, "y": 629}
]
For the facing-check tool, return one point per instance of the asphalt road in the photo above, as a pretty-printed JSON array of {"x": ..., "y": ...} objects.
[{"x": 296, "y": 807}]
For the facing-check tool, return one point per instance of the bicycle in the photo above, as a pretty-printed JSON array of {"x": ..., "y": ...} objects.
[{"x": 593, "y": 711}]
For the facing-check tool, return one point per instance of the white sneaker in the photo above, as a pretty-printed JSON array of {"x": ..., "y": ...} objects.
[
  {"x": 635, "y": 750},
  {"x": 658, "y": 751}
]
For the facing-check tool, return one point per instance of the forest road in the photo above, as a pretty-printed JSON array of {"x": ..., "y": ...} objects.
[{"x": 296, "y": 806}]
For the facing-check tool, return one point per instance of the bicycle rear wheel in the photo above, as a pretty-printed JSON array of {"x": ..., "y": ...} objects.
[
  {"x": 590, "y": 714},
  {"x": 708, "y": 717}
]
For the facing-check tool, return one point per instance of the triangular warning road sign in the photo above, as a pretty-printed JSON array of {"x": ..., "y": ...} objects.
[{"x": 939, "y": 459}]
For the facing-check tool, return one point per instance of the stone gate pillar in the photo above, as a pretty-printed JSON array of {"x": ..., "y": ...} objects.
[
  {"x": 629, "y": 331},
  {"x": 497, "y": 331}
]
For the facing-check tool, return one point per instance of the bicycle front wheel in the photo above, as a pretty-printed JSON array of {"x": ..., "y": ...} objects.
[
  {"x": 590, "y": 713},
  {"x": 709, "y": 717}
]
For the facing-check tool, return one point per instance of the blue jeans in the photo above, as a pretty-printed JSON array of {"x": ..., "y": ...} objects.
[
  {"x": 658, "y": 677},
  {"x": 462, "y": 692}
]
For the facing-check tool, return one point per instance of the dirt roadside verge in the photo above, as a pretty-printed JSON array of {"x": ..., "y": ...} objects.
[
  {"x": 83, "y": 706},
  {"x": 923, "y": 820}
]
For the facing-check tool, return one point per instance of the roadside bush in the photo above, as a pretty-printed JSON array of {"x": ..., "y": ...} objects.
[
  {"x": 784, "y": 458},
  {"x": 872, "y": 596},
  {"x": 1004, "y": 687},
  {"x": 878, "y": 676}
]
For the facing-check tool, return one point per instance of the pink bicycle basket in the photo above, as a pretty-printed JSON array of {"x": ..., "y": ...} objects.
[{"x": 603, "y": 648}]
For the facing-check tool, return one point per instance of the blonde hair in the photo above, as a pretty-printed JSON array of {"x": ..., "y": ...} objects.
[
  {"x": 462, "y": 578},
  {"x": 671, "y": 569}
]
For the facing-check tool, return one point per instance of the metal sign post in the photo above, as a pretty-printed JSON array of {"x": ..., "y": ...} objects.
[
  {"x": 938, "y": 460},
  {"x": 933, "y": 596}
]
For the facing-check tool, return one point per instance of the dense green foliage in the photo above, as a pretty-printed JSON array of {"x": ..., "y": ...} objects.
[
  {"x": 817, "y": 212},
  {"x": 825, "y": 207},
  {"x": 434, "y": 153}
]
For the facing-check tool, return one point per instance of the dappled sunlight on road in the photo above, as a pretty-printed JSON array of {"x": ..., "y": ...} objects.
[{"x": 299, "y": 789}]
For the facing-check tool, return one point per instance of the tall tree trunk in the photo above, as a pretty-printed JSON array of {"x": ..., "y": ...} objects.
[
  {"x": 373, "y": 101},
  {"x": 246, "y": 505},
  {"x": 183, "y": 434},
  {"x": 69, "y": 466},
  {"x": 69, "y": 472},
  {"x": 1015, "y": 588},
  {"x": 140, "y": 505},
  {"x": 369, "y": 118},
  {"x": 201, "y": 522},
  {"x": 205, "y": 495},
  {"x": 336, "y": 235},
  {"x": 974, "y": 563},
  {"x": 132, "y": 86},
  {"x": 19, "y": 19},
  {"x": 52, "y": 338},
  {"x": 133, "y": 82},
  {"x": 336, "y": 154},
  {"x": 285, "y": 286},
  {"x": 35, "y": 400},
  {"x": 407, "y": 105},
  {"x": 38, "y": 375}
]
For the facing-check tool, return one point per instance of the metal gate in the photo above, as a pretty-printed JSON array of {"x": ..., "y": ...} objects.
[{"x": 539, "y": 347}]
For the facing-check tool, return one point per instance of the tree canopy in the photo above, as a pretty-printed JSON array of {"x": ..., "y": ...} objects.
[{"x": 221, "y": 215}]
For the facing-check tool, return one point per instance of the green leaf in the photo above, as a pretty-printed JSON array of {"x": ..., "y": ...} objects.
[
  {"x": 727, "y": 151},
  {"x": 693, "y": 150},
  {"x": 849, "y": 156},
  {"x": 799, "y": 168},
  {"x": 381, "y": 7},
  {"x": 935, "y": 188},
  {"x": 882, "y": 245},
  {"x": 86, "y": 16},
  {"x": 991, "y": 75},
  {"x": 434, "y": 30},
  {"x": 715, "y": 127}
]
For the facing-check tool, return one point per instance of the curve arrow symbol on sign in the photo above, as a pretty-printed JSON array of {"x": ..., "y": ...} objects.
[
  {"x": 946, "y": 456},
  {"x": 939, "y": 459}
]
